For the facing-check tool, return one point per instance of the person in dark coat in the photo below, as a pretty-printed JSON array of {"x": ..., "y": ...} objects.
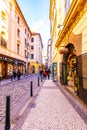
[
  {"x": 41, "y": 72},
  {"x": 14, "y": 73},
  {"x": 18, "y": 74},
  {"x": 48, "y": 73}
]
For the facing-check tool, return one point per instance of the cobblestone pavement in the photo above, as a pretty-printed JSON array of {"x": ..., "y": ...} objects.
[
  {"x": 17, "y": 90},
  {"x": 50, "y": 109}
]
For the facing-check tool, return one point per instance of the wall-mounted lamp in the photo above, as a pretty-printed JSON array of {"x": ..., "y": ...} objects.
[{"x": 59, "y": 25}]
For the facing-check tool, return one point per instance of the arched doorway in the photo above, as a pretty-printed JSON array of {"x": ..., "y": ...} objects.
[
  {"x": 69, "y": 76},
  {"x": 33, "y": 69}
]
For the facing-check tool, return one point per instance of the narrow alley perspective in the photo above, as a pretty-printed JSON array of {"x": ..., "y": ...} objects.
[
  {"x": 43, "y": 64},
  {"x": 51, "y": 106},
  {"x": 52, "y": 109}
]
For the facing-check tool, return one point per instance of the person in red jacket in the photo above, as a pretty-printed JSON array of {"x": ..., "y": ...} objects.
[{"x": 45, "y": 74}]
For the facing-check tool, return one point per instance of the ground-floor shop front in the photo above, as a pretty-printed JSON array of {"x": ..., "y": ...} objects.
[
  {"x": 73, "y": 71},
  {"x": 9, "y": 64}
]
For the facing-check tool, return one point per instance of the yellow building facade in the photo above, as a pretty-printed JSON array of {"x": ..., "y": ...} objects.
[{"x": 71, "y": 45}]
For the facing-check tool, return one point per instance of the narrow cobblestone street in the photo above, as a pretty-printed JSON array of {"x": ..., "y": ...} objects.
[
  {"x": 19, "y": 91},
  {"x": 43, "y": 65},
  {"x": 50, "y": 109}
]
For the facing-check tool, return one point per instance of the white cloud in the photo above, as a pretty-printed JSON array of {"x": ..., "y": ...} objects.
[{"x": 42, "y": 28}]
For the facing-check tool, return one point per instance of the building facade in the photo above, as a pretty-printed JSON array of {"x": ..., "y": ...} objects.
[
  {"x": 36, "y": 53},
  {"x": 71, "y": 46},
  {"x": 49, "y": 53},
  {"x": 15, "y": 40}
]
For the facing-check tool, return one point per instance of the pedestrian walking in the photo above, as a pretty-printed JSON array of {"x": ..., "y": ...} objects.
[
  {"x": 41, "y": 72},
  {"x": 45, "y": 74},
  {"x": 14, "y": 73},
  {"x": 48, "y": 73},
  {"x": 18, "y": 74}
]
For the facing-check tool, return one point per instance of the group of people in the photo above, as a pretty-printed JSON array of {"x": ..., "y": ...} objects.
[
  {"x": 14, "y": 74},
  {"x": 46, "y": 73}
]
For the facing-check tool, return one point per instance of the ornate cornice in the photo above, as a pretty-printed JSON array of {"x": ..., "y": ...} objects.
[{"x": 75, "y": 9}]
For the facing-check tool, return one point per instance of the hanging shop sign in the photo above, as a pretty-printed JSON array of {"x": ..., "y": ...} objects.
[{"x": 63, "y": 50}]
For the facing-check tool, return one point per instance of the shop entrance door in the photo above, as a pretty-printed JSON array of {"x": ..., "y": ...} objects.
[{"x": 54, "y": 72}]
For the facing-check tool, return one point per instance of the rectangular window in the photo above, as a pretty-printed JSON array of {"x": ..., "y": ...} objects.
[
  {"x": 18, "y": 48},
  {"x": 3, "y": 16},
  {"x": 25, "y": 41},
  {"x": 25, "y": 54},
  {"x": 18, "y": 20},
  {"x": 32, "y": 39},
  {"x": 25, "y": 31},
  {"x": 3, "y": 42},
  {"x": 32, "y": 47},
  {"x": 18, "y": 33},
  {"x": 32, "y": 56}
]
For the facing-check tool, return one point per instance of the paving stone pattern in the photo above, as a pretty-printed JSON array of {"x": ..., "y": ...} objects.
[
  {"x": 50, "y": 111},
  {"x": 16, "y": 90}
]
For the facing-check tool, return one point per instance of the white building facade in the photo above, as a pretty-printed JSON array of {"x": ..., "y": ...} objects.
[{"x": 36, "y": 53}]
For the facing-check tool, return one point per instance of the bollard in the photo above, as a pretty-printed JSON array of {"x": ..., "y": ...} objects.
[
  {"x": 38, "y": 81},
  {"x": 31, "y": 89},
  {"x": 7, "y": 118}
]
